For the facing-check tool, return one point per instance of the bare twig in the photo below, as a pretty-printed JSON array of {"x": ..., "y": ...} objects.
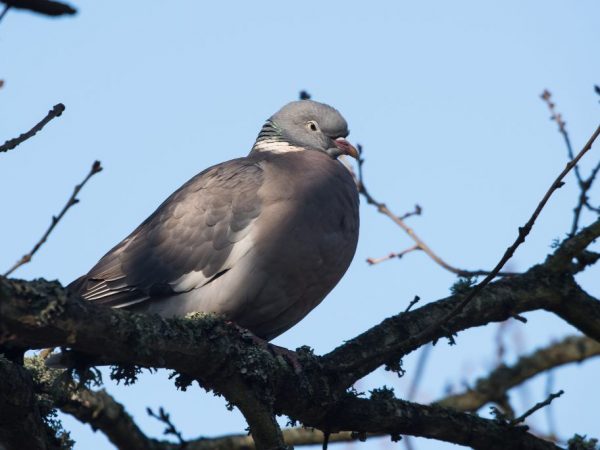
[
  {"x": 56, "y": 111},
  {"x": 165, "y": 418},
  {"x": 500, "y": 333},
  {"x": 549, "y": 413},
  {"x": 536, "y": 407},
  {"x": 584, "y": 184},
  {"x": 45, "y": 7},
  {"x": 399, "y": 220},
  {"x": 588, "y": 184},
  {"x": 415, "y": 212},
  {"x": 546, "y": 96},
  {"x": 96, "y": 167},
  {"x": 373, "y": 261},
  {"x": 416, "y": 379},
  {"x": 3, "y": 13},
  {"x": 412, "y": 303},
  {"x": 523, "y": 232}
]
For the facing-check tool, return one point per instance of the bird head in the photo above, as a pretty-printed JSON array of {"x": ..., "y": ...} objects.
[{"x": 310, "y": 125}]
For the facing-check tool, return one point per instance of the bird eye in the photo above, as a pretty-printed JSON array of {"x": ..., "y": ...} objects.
[{"x": 312, "y": 125}]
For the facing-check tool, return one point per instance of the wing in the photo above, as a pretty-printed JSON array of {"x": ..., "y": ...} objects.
[{"x": 191, "y": 239}]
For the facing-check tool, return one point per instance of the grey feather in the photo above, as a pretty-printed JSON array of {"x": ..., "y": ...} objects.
[{"x": 261, "y": 239}]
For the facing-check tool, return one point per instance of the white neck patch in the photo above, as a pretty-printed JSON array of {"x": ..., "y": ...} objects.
[{"x": 275, "y": 146}]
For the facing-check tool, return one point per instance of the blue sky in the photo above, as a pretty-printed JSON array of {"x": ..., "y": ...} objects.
[{"x": 444, "y": 96}]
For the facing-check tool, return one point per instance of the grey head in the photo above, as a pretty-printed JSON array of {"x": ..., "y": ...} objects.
[{"x": 306, "y": 125}]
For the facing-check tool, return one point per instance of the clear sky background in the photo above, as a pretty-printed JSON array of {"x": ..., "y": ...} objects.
[{"x": 444, "y": 96}]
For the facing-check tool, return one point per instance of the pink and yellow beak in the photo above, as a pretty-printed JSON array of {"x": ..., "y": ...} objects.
[{"x": 346, "y": 148}]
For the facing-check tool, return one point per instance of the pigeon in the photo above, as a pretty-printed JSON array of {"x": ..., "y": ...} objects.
[{"x": 260, "y": 240}]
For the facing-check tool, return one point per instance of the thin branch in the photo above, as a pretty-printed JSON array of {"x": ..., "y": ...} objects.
[
  {"x": 546, "y": 96},
  {"x": 373, "y": 261},
  {"x": 588, "y": 184},
  {"x": 414, "y": 384},
  {"x": 96, "y": 167},
  {"x": 399, "y": 220},
  {"x": 536, "y": 407},
  {"x": 416, "y": 379},
  {"x": 549, "y": 412},
  {"x": 56, "y": 111},
  {"x": 523, "y": 232},
  {"x": 170, "y": 428},
  {"x": 2, "y": 14},
  {"x": 45, "y": 7},
  {"x": 412, "y": 303},
  {"x": 584, "y": 184}
]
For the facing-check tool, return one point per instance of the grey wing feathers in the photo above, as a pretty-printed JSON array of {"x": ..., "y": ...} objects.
[{"x": 192, "y": 232}]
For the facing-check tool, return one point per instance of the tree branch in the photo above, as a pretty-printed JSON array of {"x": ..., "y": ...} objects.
[
  {"x": 2, "y": 14},
  {"x": 541, "y": 287},
  {"x": 494, "y": 386},
  {"x": 430, "y": 331},
  {"x": 399, "y": 220},
  {"x": 572, "y": 248},
  {"x": 385, "y": 414},
  {"x": 536, "y": 407},
  {"x": 102, "y": 412},
  {"x": 96, "y": 167},
  {"x": 56, "y": 111},
  {"x": 39, "y": 314},
  {"x": 584, "y": 184},
  {"x": 45, "y": 7},
  {"x": 21, "y": 422}
]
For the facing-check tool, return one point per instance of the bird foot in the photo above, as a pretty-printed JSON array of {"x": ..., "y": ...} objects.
[
  {"x": 290, "y": 355},
  {"x": 287, "y": 354}
]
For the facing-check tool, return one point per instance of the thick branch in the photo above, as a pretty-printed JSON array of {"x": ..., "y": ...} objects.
[
  {"x": 21, "y": 422},
  {"x": 392, "y": 416},
  {"x": 102, "y": 412},
  {"x": 500, "y": 301},
  {"x": 524, "y": 231},
  {"x": 96, "y": 408},
  {"x": 39, "y": 314},
  {"x": 572, "y": 247},
  {"x": 542, "y": 287},
  {"x": 495, "y": 385}
]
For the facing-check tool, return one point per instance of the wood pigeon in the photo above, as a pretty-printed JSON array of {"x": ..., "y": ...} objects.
[{"x": 261, "y": 239}]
